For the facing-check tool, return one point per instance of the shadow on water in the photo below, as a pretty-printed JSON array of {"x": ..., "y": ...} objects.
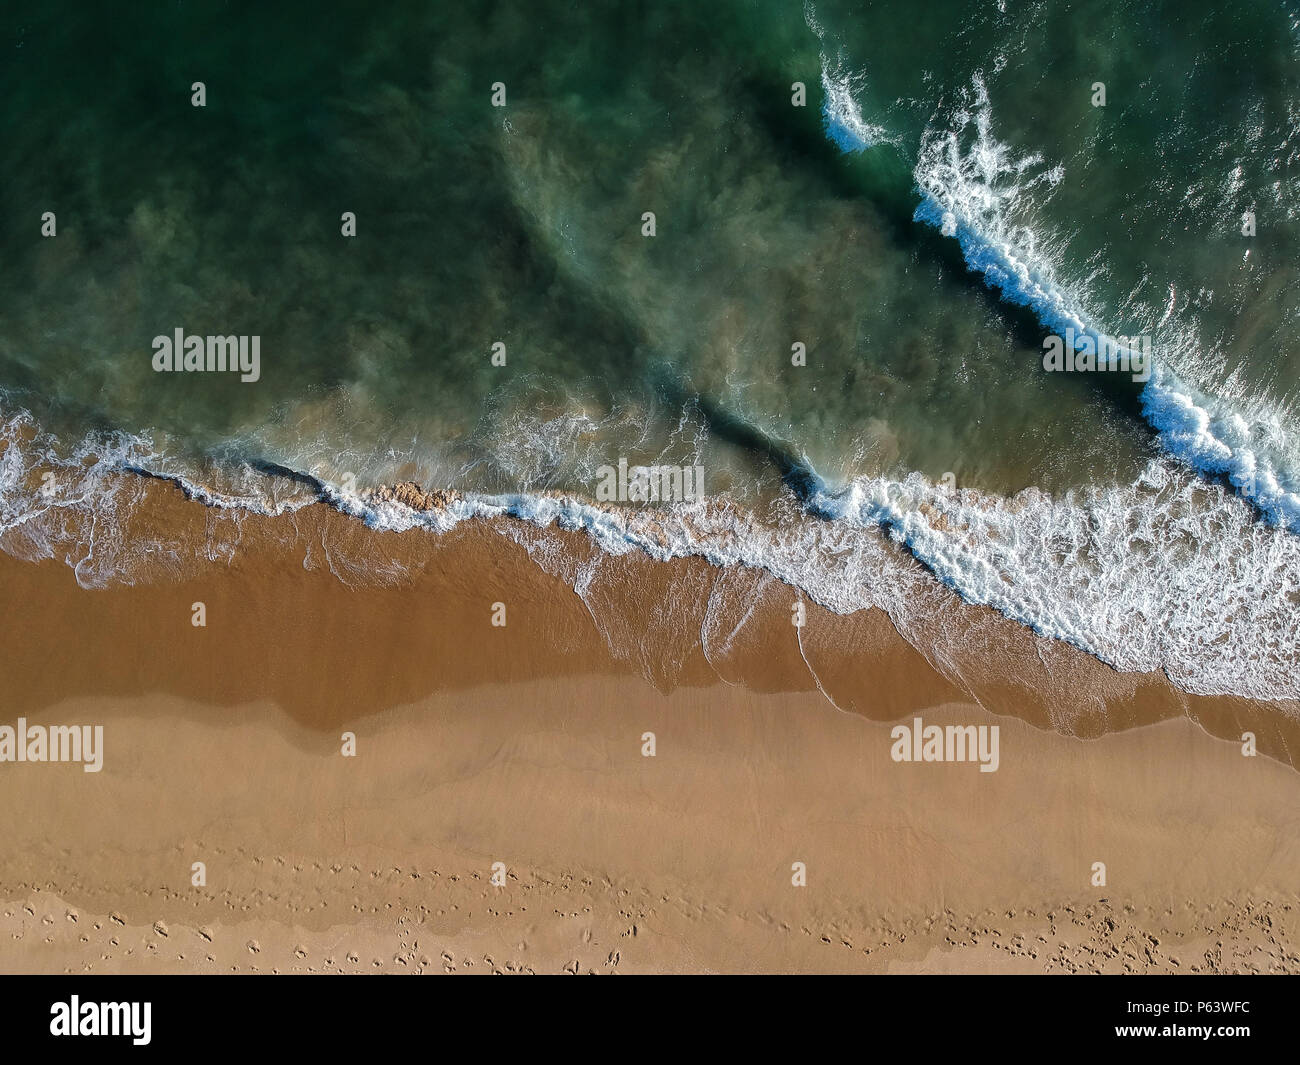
[{"x": 882, "y": 177}]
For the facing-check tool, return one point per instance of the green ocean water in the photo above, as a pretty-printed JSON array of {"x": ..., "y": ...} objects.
[{"x": 522, "y": 225}]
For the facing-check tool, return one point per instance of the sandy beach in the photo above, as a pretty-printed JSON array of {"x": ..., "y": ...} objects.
[
  {"x": 780, "y": 486},
  {"x": 525, "y": 745}
]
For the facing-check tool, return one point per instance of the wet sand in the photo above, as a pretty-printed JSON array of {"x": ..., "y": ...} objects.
[{"x": 523, "y": 745}]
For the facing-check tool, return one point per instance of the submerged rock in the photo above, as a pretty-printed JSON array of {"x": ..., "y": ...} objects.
[{"x": 410, "y": 494}]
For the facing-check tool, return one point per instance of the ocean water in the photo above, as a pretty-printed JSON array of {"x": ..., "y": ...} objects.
[{"x": 952, "y": 191}]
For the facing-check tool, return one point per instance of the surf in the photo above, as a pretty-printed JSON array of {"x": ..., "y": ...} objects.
[{"x": 970, "y": 189}]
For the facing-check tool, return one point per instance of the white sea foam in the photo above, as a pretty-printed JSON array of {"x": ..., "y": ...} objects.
[
  {"x": 1171, "y": 572},
  {"x": 842, "y": 114},
  {"x": 976, "y": 189},
  {"x": 74, "y": 502}
]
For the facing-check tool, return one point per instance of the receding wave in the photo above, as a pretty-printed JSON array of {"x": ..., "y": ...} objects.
[{"x": 1170, "y": 573}]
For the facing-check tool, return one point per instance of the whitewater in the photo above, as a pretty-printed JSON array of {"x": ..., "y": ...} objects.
[{"x": 1171, "y": 573}]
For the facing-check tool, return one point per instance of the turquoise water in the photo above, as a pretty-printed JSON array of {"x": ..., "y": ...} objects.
[{"x": 948, "y": 196}]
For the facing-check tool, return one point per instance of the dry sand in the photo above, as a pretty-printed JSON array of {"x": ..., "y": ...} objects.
[{"x": 523, "y": 745}]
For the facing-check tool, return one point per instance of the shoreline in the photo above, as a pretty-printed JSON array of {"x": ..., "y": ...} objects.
[
  {"x": 523, "y": 744},
  {"x": 1031, "y": 557},
  {"x": 321, "y": 581}
]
